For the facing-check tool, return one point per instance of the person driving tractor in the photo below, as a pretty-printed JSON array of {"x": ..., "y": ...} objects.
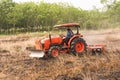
[
  {"x": 68, "y": 36},
  {"x": 69, "y": 33}
]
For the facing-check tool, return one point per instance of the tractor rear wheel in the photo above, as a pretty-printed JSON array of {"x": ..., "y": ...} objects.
[
  {"x": 78, "y": 46},
  {"x": 54, "y": 51}
]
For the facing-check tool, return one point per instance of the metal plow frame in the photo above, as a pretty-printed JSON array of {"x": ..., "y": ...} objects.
[{"x": 96, "y": 48}]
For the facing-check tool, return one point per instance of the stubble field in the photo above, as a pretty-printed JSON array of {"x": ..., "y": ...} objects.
[{"x": 15, "y": 63}]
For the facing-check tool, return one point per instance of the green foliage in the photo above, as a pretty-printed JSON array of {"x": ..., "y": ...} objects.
[
  {"x": 6, "y": 7},
  {"x": 30, "y": 16},
  {"x": 114, "y": 11}
]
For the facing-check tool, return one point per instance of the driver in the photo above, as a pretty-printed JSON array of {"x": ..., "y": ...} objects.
[
  {"x": 68, "y": 36},
  {"x": 69, "y": 33}
]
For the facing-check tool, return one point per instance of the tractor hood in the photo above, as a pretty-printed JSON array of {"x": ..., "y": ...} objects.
[
  {"x": 45, "y": 43},
  {"x": 54, "y": 40}
]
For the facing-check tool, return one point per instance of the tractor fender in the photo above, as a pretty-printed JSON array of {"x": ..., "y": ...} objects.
[{"x": 71, "y": 39}]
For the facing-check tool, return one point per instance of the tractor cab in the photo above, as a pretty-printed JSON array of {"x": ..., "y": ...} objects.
[{"x": 72, "y": 32}]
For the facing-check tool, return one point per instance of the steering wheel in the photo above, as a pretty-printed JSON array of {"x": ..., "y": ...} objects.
[{"x": 61, "y": 35}]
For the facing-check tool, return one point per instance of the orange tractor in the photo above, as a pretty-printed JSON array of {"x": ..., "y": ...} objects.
[{"x": 53, "y": 46}]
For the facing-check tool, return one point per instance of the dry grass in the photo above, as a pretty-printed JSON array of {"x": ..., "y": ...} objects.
[
  {"x": 15, "y": 63},
  {"x": 113, "y": 38}
]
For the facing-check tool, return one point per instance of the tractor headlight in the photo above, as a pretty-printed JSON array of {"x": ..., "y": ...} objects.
[{"x": 43, "y": 41}]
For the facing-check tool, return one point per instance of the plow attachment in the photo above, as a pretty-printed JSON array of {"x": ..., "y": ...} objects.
[
  {"x": 96, "y": 48},
  {"x": 37, "y": 53}
]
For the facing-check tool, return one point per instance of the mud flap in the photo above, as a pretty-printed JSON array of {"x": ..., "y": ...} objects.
[{"x": 38, "y": 54}]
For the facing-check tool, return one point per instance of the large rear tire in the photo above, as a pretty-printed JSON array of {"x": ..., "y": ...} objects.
[
  {"x": 54, "y": 51},
  {"x": 78, "y": 46}
]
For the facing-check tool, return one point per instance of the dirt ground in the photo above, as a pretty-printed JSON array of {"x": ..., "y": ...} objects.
[{"x": 15, "y": 63}]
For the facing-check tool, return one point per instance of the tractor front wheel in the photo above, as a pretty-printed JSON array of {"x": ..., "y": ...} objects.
[
  {"x": 54, "y": 51},
  {"x": 78, "y": 46}
]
